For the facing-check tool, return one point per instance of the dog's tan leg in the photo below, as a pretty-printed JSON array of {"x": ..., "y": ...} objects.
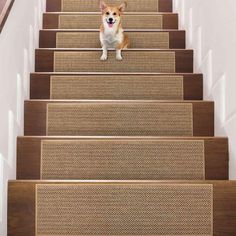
[
  {"x": 104, "y": 53},
  {"x": 125, "y": 44},
  {"x": 118, "y": 55}
]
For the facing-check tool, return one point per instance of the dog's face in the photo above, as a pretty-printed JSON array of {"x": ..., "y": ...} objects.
[{"x": 111, "y": 16}]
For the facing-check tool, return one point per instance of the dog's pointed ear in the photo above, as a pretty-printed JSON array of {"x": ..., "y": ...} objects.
[
  {"x": 122, "y": 7},
  {"x": 103, "y": 5}
]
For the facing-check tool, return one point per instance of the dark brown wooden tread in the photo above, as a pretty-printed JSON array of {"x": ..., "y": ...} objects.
[
  {"x": 53, "y": 38},
  {"x": 40, "y": 83},
  {"x": 29, "y": 152},
  {"x": 22, "y": 202},
  {"x": 36, "y": 116},
  {"x": 59, "y": 60},
  {"x": 162, "y": 6},
  {"x": 69, "y": 20}
]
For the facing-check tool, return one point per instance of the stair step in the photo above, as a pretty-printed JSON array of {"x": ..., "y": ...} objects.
[
  {"x": 93, "y": 20},
  {"x": 39, "y": 208},
  {"x": 122, "y": 158},
  {"x": 162, "y": 39},
  {"x": 124, "y": 118},
  {"x": 120, "y": 87},
  {"x": 93, "y": 5},
  {"x": 134, "y": 60}
]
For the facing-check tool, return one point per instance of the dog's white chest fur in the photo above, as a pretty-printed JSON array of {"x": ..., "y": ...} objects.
[{"x": 111, "y": 37}]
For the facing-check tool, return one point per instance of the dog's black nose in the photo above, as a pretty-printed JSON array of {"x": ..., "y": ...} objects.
[{"x": 110, "y": 19}]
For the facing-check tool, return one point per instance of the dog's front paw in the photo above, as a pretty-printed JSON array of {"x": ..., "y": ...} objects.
[
  {"x": 103, "y": 57},
  {"x": 119, "y": 58}
]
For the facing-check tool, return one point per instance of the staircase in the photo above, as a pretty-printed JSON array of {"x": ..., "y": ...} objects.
[{"x": 118, "y": 147}]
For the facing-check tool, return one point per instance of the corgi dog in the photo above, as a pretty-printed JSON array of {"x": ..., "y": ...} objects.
[{"x": 111, "y": 31}]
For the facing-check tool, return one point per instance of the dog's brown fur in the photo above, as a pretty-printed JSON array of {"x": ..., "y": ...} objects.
[{"x": 111, "y": 32}]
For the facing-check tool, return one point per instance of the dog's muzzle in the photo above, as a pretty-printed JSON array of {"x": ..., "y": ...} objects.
[{"x": 110, "y": 22}]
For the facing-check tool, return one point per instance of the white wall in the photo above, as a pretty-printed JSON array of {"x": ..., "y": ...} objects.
[
  {"x": 211, "y": 32},
  {"x": 17, "y": 42}
]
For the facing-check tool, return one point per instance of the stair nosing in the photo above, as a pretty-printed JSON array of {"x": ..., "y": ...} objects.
[
  {"x": 123, "y": 181},
  {"x": 99, "y": 13},
  {"x": 128, "y": 137},
  {"x": 116, "y": 101},
  {"x": 99, "y": 49},
  {"x": 112, "y": 73},
  {"x": 125, "y": 30}
]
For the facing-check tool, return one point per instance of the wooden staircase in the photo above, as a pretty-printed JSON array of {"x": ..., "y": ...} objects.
[{"x": 118, "y": 147}]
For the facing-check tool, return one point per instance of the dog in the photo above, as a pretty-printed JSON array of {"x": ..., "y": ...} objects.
[{"x": 111, "y": 31}]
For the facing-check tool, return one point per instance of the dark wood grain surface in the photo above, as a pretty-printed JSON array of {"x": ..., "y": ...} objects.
[
  {"x": 44, "y": 58},
  {"x": 47, "y": 38},
  {"x": 55, "y": 5},
  {"x": 51, "y": 20},
  {"x": 40, "y": 84},
  {"x": 35, "y": 115},
  {"x": 21, "y": 204},
  {"x": 29, "y": 154},
  {"x": 203, "y": 119}
]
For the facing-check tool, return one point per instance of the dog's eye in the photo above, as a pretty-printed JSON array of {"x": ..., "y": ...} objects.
[
  {"x": 114, "y": 13},
  {"x": 107, "y": 13}
]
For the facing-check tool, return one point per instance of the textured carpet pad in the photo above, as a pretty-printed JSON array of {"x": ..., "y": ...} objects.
[{"x": 124, "y": 209}]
